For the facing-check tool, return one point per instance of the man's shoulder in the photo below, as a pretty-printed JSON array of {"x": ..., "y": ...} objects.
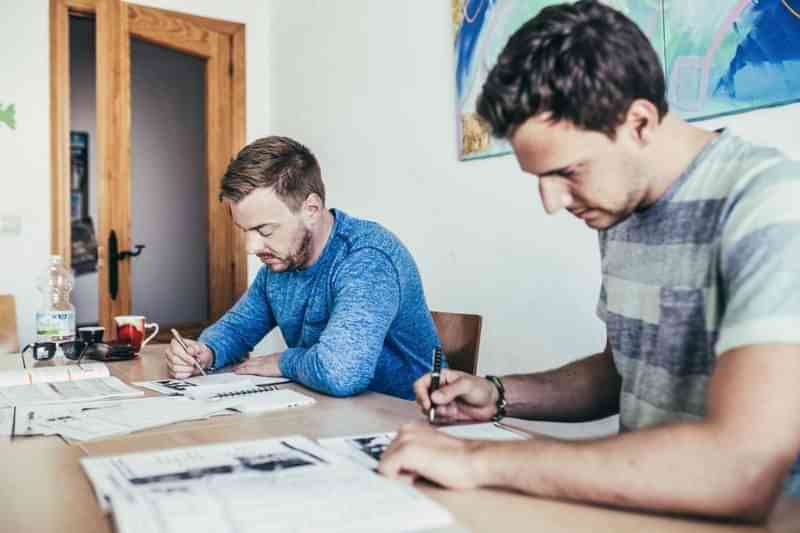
[
  {"x": 735, "y": 175},
  {"x": 360, "y": 234},
  {"x": 740, "y": 166}
]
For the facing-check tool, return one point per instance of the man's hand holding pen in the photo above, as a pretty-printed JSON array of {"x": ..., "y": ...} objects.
[
  {"x": 184, "y": 362},
  {"x": 460, "y": 397}
]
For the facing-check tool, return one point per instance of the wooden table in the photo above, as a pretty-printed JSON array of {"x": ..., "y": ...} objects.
[{"x": 43, "y": 488}]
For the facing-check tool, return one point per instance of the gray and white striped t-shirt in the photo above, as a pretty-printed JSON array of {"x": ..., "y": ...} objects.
[{"x": 714, "y": 264}]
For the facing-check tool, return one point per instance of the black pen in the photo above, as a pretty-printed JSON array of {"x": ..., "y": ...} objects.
[{"x": 435, "y": 374}]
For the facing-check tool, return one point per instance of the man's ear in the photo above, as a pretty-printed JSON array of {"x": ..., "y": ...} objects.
[
  {"x": 312, "y": 208},
  {"x": 641, "y": 121}
]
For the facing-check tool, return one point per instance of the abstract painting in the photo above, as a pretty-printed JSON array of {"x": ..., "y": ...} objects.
[
  {"x": 730, "y": 56},
  {"x": 719, "y": 57}
]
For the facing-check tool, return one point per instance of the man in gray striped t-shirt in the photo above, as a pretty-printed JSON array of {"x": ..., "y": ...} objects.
[{"x": 700, "y": 243}]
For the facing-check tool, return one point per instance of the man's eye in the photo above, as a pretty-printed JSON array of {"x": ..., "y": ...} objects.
[
  {"x": 264, "y": 233},
  {"x": 567, "y": 173}
]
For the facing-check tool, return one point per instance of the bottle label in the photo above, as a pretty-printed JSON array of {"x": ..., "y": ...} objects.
[{"x": 55, "y": 325}]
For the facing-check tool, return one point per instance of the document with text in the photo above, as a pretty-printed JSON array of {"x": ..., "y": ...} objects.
[
  {"x": 286, "y": 484},
  {"x": 95, "y": 420}
]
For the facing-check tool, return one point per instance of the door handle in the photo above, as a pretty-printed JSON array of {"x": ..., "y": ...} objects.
[{"x": 114, "y": 256}]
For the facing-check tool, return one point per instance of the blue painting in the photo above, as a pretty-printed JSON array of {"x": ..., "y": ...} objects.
[
  {"x": 719, "y": 57},
  {"x": 731, "y": 55}
]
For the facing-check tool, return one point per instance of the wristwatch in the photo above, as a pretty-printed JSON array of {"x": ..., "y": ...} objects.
[{"x": 501, "y": 403}]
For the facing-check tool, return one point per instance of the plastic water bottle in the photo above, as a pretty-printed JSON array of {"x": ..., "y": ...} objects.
[{"x": 55, "y": 320}]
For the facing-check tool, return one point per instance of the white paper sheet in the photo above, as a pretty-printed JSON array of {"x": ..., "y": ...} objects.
[
  {"x": 288, "y": 484},
  {"x": 66, "y": 391},
  {"x": 366, "y": 449},
  {"x": 106, "y": 419}
]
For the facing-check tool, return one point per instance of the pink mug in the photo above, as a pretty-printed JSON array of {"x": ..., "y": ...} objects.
[{"x": 131, "y": 328}]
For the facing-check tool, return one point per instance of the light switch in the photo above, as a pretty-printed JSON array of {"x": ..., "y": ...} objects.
[{"x": 10, "y": 225}]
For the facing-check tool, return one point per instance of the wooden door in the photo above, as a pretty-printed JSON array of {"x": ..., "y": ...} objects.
[{"x": 221, "y": 45}]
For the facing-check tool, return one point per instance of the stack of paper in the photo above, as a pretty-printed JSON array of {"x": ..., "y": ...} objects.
[{"x": 289, "y": 484}]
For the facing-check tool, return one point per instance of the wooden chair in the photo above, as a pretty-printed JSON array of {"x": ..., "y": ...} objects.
[
  {"x": 461, "y": 338},
  {"x": 9, "y": 341}
]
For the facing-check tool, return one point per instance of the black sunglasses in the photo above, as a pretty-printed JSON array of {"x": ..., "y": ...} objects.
[
  {"x": 77, "y": 350},
  {"x": 42, "y": 351}
]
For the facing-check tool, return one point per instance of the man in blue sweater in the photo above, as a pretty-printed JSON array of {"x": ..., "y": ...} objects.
[{"x": 345, "y": 293}]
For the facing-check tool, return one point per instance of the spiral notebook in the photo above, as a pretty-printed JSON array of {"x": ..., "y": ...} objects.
[{"x": 258, "y": 399}]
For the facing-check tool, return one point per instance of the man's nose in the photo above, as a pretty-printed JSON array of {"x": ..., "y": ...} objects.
[
  {"x": 252, "y": 242},
  {"x": 555, "y": 195}
]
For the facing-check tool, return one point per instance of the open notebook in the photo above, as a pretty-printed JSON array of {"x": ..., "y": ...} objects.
[
  {"x": 52, "y": 374},
  {"x": 251, "y": 400},
  {"x": 56, "y": 384},
  {"x": 208, "y": 384}
]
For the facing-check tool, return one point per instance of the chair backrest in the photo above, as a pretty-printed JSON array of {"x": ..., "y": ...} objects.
[
  {"x": 9, "y": 341},
  {"x": 461, "y": 338}
]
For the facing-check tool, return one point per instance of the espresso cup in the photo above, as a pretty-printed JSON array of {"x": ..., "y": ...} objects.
[{"x": 131, "y": 329}]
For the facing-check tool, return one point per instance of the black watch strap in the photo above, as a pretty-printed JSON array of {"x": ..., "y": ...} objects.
[{"x": 501, "y": 403}]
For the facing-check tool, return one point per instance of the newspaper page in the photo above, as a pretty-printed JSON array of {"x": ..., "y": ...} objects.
[{"x": 288, "y": 484}]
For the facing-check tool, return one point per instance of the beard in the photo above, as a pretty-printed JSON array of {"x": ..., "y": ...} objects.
[{"x": 295, "y": 260}]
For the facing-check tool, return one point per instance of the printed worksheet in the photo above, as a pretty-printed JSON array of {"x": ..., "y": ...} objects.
[{"x": 255, "y": 486}]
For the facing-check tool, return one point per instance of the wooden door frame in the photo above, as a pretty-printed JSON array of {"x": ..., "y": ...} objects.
[{"x": 222, "y": 43}]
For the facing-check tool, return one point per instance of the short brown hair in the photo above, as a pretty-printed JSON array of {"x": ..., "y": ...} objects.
[
  {"x": 584, "y": 63},
  {"x": 278, "y": 162}
]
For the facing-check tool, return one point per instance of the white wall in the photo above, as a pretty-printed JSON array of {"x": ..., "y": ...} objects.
[
  {"x": 25, "y": 155},
  {"x": 369, "y": 87},
  {"x": 25, "y": 152}
]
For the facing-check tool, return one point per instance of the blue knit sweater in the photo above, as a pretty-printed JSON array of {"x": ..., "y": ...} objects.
[{"x": 355, "y": 320}]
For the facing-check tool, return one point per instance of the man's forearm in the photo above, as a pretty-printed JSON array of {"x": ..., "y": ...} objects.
[
  {"x": 587, "y": 389},
  {"x": 678, "y": 469}
]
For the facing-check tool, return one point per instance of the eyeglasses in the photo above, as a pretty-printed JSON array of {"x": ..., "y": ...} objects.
[{"x": 73, "y": 350}]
